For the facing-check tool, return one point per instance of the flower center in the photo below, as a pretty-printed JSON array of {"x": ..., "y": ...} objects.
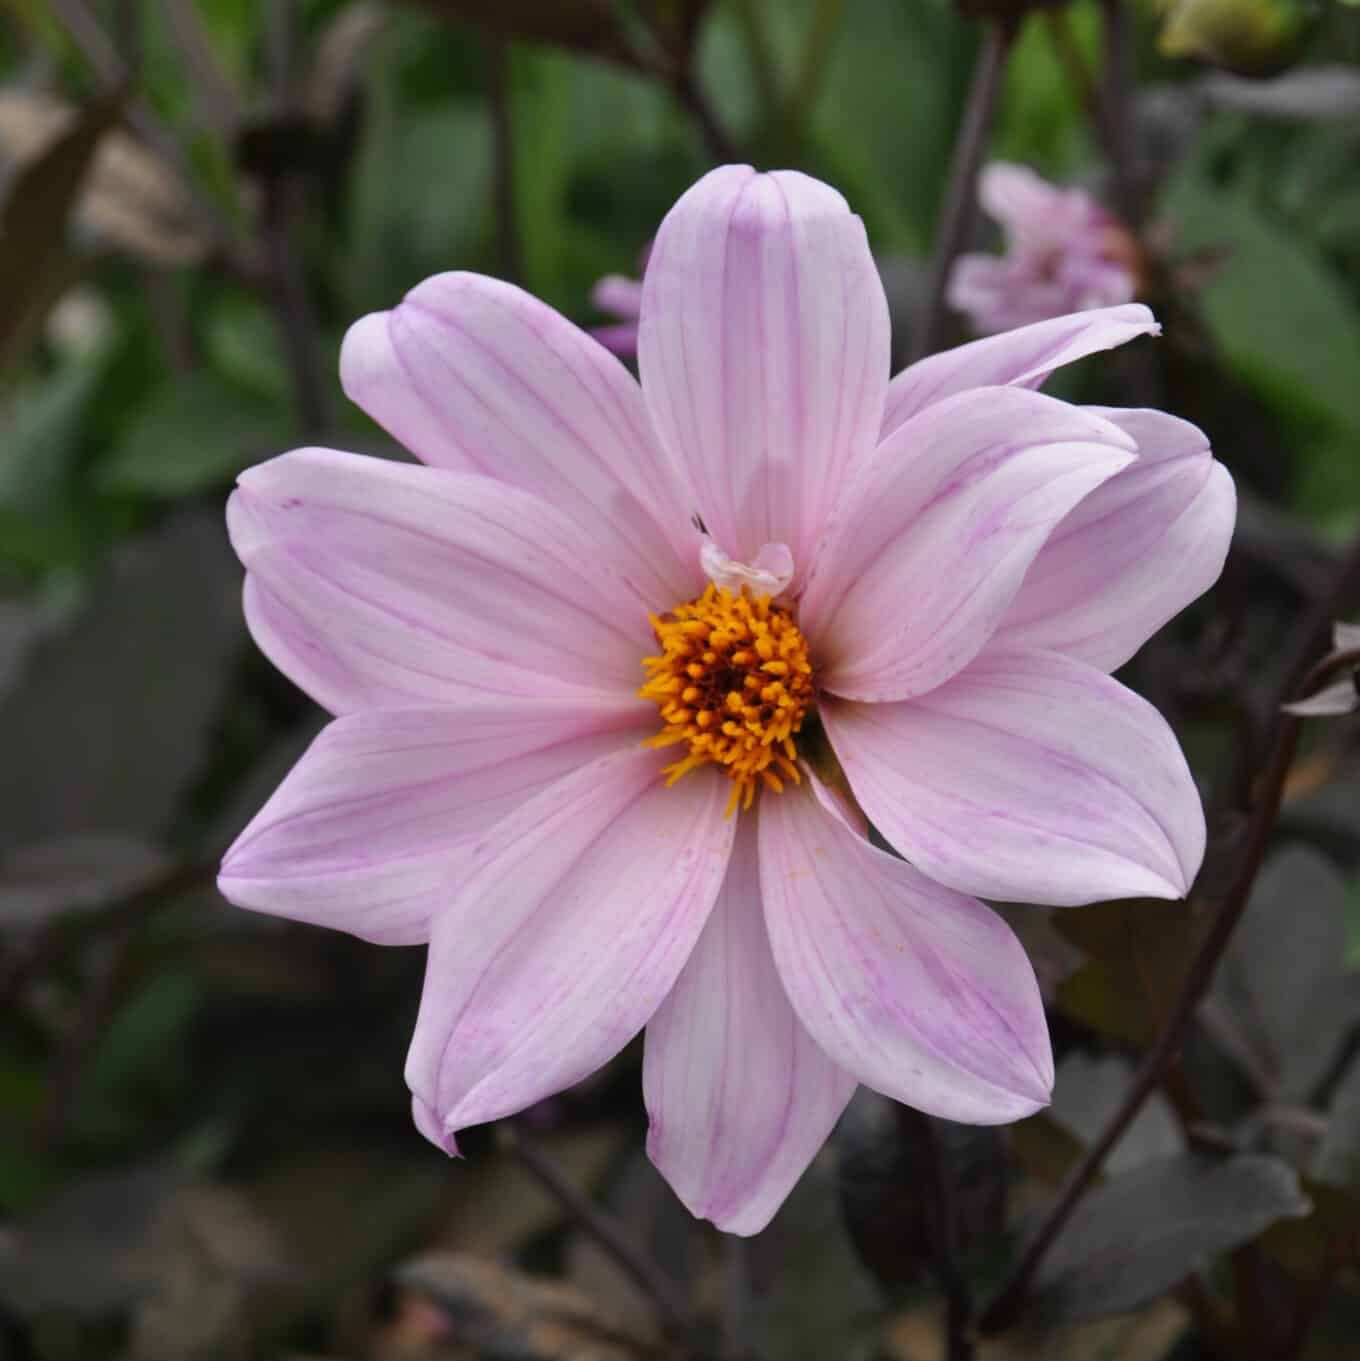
[{"x": 732, "y": 680}]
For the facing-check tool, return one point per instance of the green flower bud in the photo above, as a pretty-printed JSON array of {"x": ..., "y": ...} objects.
[{"x": 1248, "y": 37}]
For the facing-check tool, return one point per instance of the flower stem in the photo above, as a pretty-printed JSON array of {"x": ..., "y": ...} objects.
[
  {"x": 969, "y": 148},
  {"x": 607, "y": 1231},
  {"x": 1117, "y": 120},
  {"x": 1009, "y": 1300}
]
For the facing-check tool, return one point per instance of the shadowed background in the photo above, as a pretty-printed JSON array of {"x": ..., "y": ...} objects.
[{"x": 205, "y": 1142}]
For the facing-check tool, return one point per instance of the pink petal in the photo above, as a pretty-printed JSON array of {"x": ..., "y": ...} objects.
[
  {"x": 561, "y": 944},
  {"x": 923, "y": 994},
  {"x": 764, "y": 352},
  {"x": 618, "y": 294},
  {"x": 1016, "y": 196},
  {"x": 374, "y": 584},
  {"x": 620, "y": 339},
  {"x": 740, "y": 1097},
  {"x": 1134, "y": 553},
  {"x": 929, "y": 546},
  {"x": 1028, "y": 777},
  {"x": 1022, "y": 358},
  {"x": 373, "y": 829},
  {"x": 475, "y": 375}
]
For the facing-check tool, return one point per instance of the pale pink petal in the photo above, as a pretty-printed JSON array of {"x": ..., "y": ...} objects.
[
  {"x": 764, "y": 352},
  {"x": 1134, "y": 553},
  {"x": 373, "y": 829},
  {"x": 1016, "y": 196},
  {"x": 619, "y": 339},
  {"x": 618, "y": 294},
  {"x": 475, "y": 375},
  {"x": 1028, "y": 777},
  {"x": 929, "y": 546},
  {"x": 739, "y": 1096},
  {"x": 920, "y": 992},
  {"x": 375, "y": 584},
  {"x": 427, "y": 1121},
  {"x": 562, "y": 943},
  {"x": 1022, "y": 358}
]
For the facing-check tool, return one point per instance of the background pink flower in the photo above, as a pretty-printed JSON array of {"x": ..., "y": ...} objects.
[
  {"x": 963, "y": 559},
  {"x": 621, "y": 297},
  {"x": 1063, "y": 253}
]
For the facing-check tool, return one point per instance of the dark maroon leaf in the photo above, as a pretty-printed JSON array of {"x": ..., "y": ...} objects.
[{"x": 1138, "y": 1236}]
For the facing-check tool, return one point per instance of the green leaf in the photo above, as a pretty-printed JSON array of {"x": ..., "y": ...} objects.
[
  {"x": 1281, "y": 318},
  {"x": 196, "y": 431}
]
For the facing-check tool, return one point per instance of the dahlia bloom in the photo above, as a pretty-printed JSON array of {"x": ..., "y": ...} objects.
[
  {"x": 620, "y": 670},
  {"x": 1064, "y": 253},
  {"x": 621, "y": 297}
]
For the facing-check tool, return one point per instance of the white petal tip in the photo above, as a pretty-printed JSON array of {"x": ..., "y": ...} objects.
[{"x": 770, "y": 573}]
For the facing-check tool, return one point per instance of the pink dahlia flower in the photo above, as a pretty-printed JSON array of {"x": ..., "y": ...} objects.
[
  {"x": 621, "y": 297},
  {"x": 619, "y": 672},
  {"x": 1064, "y": 253}
]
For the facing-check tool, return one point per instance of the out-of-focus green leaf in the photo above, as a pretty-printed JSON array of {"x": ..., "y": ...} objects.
[
  {"x": 1040, "y": 120},
  {"x": 1280, "y": 317},
  {"x": 241, "y": 342},
  {"x": 421, "y": 197},
  {"x": 885, "y": 122},
  {"x": 40, "y": 430},
  {"x": 1138, "y": 1236},
  {"x": 34, "y": 218},
  {"x": 541, "y": 109},
  {"x": 196, "y": 431},
  {"x": 142, "y": 1060}
]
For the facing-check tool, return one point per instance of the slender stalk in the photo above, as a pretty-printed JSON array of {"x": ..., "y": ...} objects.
[
  {"x": 217, "y": 99},
  {"x": 99, "y": 50},
  {"x": 969, "y": 148},
  {"x": 1073, "y": 63},
  {"x": 503, "y": 159},
  {"x": 1009, "y": 1300},
  {"x": 818, "y": 45},
  {"x": 716, "y": 137},
  {"x": 760, "y": 57},
  {"x": 281, "y": 212},
  {"x": 607, "y": 1231},
  {"x": 920, "y": 1134},
  {"x": 736, "y": 1295},
  {"x": 1118, "y": 110},
  {"x": 653, "y": 50}
]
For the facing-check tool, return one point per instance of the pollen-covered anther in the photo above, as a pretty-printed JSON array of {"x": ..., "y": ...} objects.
[{"x": 733, "y": 681}]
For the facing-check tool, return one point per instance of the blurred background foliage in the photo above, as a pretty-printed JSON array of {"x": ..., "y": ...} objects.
[{"x": 205, "y": 1144}]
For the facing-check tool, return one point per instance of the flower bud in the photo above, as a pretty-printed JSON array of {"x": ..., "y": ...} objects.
[{"x": 1248, "y": 37}]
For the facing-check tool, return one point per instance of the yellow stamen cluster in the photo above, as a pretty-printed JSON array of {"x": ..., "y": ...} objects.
[{"x": 732, "y": 680}]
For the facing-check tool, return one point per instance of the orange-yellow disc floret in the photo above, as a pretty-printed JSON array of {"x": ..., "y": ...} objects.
[{"x": 732, "y": 680}]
